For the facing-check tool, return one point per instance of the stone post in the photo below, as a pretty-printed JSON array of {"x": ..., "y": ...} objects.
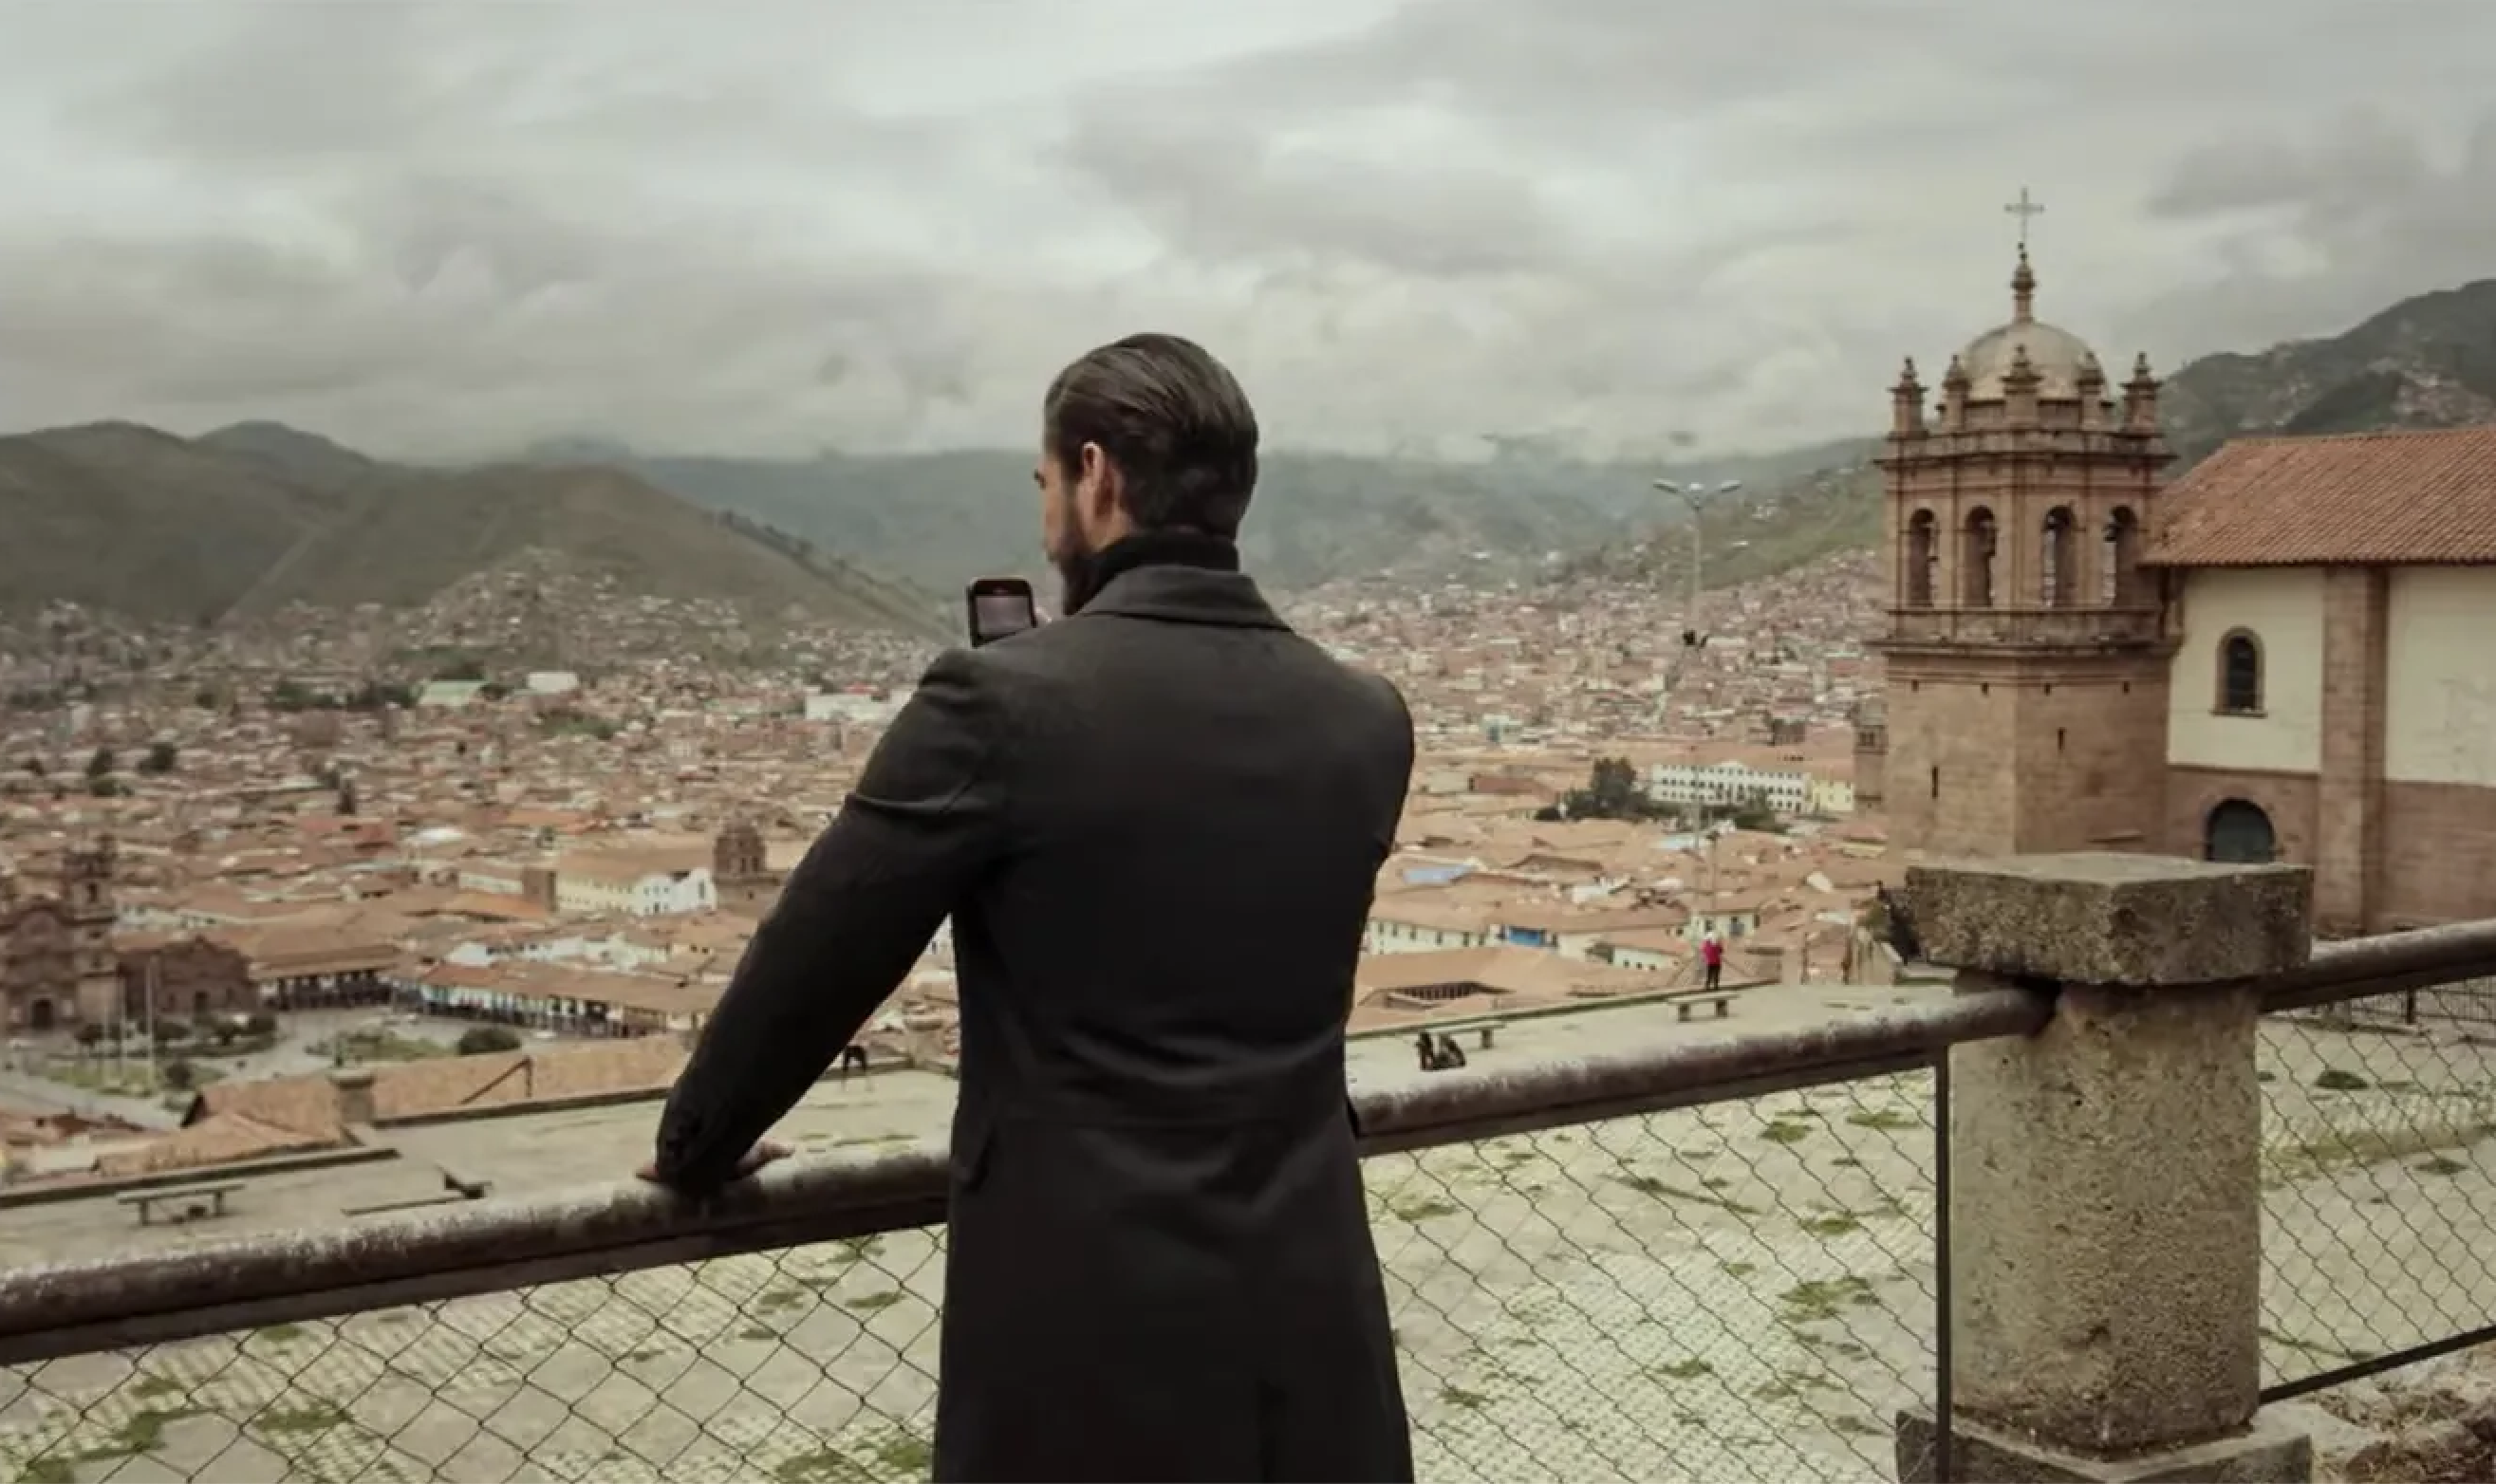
[{"x": 2106, "y": 1192}]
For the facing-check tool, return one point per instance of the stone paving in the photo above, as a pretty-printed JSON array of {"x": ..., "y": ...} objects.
[{"x": 1737, "y": 1291}]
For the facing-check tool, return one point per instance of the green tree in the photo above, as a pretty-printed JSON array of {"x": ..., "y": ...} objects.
[
  {"x": 101, "y": 765},
  {"x": 291, "y": 695},
  {"x": 179, "y": 1076},
  {"x": 482, "y": 1040},
  {"x": 461, "y": 667},
  {"x": 90, "y": 1035},
  {"x": 161, "y": 757},
  {"x": 347, "y": 803},
  {"x": 1613, "y": 793},
  {"x": 1756, "y": 812}
]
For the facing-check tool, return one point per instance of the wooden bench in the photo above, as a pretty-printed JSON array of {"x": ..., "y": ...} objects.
[
  {"x": 196, "y": 1202},
  {"x": 1683, "y": 1004},
  {"x": 1482, "y": 1029}
]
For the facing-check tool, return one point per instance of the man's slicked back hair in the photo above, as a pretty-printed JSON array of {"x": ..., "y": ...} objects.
[{"x": 1172, "y": 419}]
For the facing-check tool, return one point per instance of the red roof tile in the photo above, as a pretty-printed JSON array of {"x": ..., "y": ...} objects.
[{"x": 2363, "y": 499}]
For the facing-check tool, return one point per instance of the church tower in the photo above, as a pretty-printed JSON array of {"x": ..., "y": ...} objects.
[
  {"x": 740, "y": 869},
  {"x": 2026, "y": 653},
  {"x": 87, "y": 905}
]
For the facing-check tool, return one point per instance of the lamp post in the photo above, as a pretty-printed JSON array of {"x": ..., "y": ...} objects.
[{"x": 1694, "y": 495}]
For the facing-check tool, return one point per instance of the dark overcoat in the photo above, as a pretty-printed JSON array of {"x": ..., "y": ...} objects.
[{"x": 1156, "y": 828}]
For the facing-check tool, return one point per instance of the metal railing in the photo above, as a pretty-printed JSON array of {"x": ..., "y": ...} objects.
[
  {"x": 2379, "y": 1159},
  {"x": 1709, "y": 1259}
]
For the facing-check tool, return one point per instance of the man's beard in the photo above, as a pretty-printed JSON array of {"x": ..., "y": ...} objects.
[{"x": 1079, "y": 580}]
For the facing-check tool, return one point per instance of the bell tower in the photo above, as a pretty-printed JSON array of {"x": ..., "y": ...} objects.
[
  {"x": 2026, "y": 651},
  {"x": 88, "y": 906}
]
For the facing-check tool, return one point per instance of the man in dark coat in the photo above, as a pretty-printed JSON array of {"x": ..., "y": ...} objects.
[{"x": 1156, "y": 825}]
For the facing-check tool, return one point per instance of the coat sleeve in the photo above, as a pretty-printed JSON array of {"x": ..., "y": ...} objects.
[{"x": 918, "y": 831}]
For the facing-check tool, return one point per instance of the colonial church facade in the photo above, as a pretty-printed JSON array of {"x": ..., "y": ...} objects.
[
  {"x": 2288, "y": 654},
  {"x": 57, "y": 967}
]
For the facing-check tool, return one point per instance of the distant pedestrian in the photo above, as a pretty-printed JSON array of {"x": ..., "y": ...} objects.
[
  {"x": 852, "y": 1058},
  {"x": 1713, "y": 954},
  {"x": 1451, "y": 1055},
  {"x": 1426, "y": 1047}
]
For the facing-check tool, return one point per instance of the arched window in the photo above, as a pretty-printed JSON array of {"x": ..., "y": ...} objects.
[
  {"x": 1923, "y": 555},
  {"x": 1976, "y": 590},
  {"x": 2058, "y": 581},
  {"x": 2239, "y": 833},
  {"x": 2123, "y": 558},
  {"x": 2240, "y": 674}
]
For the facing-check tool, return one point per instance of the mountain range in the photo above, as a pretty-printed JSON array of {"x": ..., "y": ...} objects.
[
  {"x": 245, "y": 520},
  {"x": 253, "y": 516}
]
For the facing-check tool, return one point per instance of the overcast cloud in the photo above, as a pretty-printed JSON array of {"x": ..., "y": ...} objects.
[{"x": 451, "y": 227}]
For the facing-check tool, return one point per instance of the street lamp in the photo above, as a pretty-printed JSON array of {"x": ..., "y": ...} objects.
[{"x": 1695, "y": 494}]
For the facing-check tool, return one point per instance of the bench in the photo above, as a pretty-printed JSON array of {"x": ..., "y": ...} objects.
[
  {"x": 1482, "y": 1029},
  {"x": 1683, "y": 1004},
  {"x": 196, "y": 1202}
]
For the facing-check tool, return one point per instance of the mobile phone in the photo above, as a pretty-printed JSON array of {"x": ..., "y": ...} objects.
[{"x": 1000, "y": 606}]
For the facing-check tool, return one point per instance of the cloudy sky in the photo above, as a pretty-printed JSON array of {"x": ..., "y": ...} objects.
[{"x": 453, "y": 226}]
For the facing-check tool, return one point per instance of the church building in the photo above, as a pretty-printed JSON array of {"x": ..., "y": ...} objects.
[
  {"x": 57, "y": 967},
  {"x": 2290, "y": 652}
]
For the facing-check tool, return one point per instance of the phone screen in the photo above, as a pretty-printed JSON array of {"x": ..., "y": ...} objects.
[{"x": 997, "y": 611}]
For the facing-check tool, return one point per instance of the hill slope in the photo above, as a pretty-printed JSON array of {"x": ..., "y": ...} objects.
[
  {"x": 123, "y": 517},
  {"x": 254, "y": 516}
]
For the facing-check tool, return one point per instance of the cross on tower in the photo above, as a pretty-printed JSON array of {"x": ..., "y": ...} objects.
[{"x": 2024, "y": 208}]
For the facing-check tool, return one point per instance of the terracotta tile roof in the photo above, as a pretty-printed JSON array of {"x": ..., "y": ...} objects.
[{"x": 2381, "y": 499}]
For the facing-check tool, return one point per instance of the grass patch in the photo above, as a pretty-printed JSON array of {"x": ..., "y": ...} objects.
[
  {"x": 1428, "y": 1209},
  {"x": 2365, "y": 1146},
  {"x": 1824, "y": 1298},
  {"x": 1785, "y": 1130},
  {"x": 872, "y": 1303},
  {"x": 314, "y": 1416},
  {"x": 379, "y": 1046},
  {"x": 2439, "y": 1165},
  {"x": 906, "y": 1454},
  {"x": 149, "y": 1387},
  {"x": 758, "y": 1334},
  {"x": 1689, "y": 1369},
  {"x": 1740, "y": 1269},
  {"x": 2332, "y": 1079},
  {"x": 141, "y": 1432},
  {"x": 1453, "y": 1395},
  {"x": 1836, "y": 1223},
  {"x": 1648, "y": 1184},
  {"x": 1883, "y": 1118},
  {"x": 280, "y": 1334}
]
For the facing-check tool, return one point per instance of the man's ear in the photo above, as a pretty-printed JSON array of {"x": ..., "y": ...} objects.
[{"x": 1098, "y": 490}]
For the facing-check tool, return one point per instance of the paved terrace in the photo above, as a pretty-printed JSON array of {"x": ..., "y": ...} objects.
[{"x": 1737, "y": 1290}]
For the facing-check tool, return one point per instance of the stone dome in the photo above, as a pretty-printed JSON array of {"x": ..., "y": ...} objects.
[{"x": 2059, "y": 356}]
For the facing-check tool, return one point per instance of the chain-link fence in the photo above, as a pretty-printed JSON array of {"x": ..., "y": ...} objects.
[
  {"x": 2379, "y": 1183},
  {"x": 1740, "y": 1290}
]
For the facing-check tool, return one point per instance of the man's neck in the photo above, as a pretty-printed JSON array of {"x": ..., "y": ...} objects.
[{"x": 1149, "y": 548}]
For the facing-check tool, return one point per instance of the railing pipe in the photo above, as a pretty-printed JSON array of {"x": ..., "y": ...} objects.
[
  {"x": 247, "y": 1283},
  {"x": 2392, "y": 963}
]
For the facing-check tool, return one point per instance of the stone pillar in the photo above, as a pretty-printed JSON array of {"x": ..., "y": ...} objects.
[
  {"x": 2349, "y": 784},
  {"x": 2105, "y": 1197}
]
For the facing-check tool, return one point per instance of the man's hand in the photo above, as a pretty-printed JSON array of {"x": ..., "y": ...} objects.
[{"x": 761, "y": 1155}]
